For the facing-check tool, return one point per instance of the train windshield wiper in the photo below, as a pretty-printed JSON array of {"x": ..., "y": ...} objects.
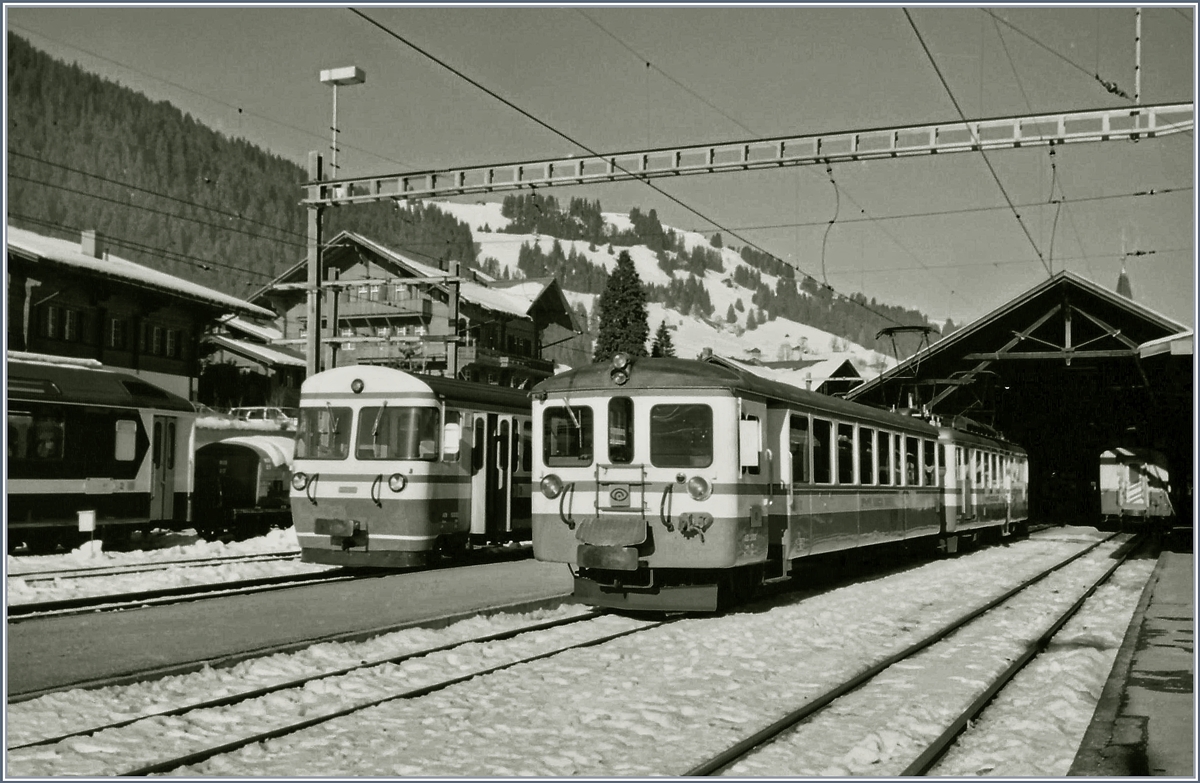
[
  {"x": 378, "y": 418},
  {"x": 571, "y": 414}
]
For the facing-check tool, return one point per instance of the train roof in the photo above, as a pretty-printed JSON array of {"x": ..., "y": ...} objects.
[
  {"x": 377, "y": 381},
  {"x": 648, "y": 374},
  {"x": 277, "y": 449},
  {"x": 34, "y": 380}
]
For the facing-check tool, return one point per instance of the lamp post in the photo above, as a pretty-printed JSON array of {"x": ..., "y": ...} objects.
[
  {"x": 339, "y": 77},
  {"x": 316, "y": 273}
]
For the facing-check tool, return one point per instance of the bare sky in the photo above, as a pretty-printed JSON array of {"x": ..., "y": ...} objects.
[{"x": 627, "y": 78}]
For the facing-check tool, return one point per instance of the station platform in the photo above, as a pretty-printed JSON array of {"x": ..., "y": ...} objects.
[{"x": 1144, "y": 723}]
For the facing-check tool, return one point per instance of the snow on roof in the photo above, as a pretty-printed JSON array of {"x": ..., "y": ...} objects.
[
  {"x": 67, "y": 253},
  {"x": 256, "y": 352},
  {"x": 810, "y": 376},
  {"x": 46, "y": 358},
  {"x": 500, "y": 300},
  {"x": 1179, "y": 344},
  {"x": 267, "y": 333}
]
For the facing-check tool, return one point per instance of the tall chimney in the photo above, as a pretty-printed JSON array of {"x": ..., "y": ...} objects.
[{"x": 92, "y": 244}]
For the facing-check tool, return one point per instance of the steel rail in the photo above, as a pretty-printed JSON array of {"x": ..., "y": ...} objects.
[
  {"x": 137, "y": 568},
  {"x": 737, "y": 751},
  {"x": 228, "y": 747},
  {"x": 937, "y": 749},
  {"x": 111, "y": 602},
  {"x": 298, "y": 682}
]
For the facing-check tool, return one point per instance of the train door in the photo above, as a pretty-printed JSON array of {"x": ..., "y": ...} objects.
[
  {"x": 966, "y": 493},
  {"x": 162, "y": 468},
  {"x": 490, "y": 476},
  {"x": 797, "y": 484}
]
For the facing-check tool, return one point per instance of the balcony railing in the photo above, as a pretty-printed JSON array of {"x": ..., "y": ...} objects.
[{"x": 399, "y": 309}]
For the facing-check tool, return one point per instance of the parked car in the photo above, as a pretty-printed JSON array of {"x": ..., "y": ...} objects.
[{"x": 285, "y": 417}]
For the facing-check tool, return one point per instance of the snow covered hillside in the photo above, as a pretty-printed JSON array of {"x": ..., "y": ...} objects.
[{"x": 778, "y": 340}]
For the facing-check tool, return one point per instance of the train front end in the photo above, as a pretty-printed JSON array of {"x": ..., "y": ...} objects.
[
  {"x": 369, "y": 486},
  {"x": 636, "y": 474}
]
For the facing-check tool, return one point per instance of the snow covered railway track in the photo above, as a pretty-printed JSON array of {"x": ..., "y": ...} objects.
[
  {"x": 167, "y": 595},
  {"x": 199, "y": 731},
  {"x": 811, "y": 740},
  {"x": 137, "y": 568}
]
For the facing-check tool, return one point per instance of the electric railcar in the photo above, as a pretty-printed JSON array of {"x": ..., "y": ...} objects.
[
  {"x": 671, "y": 484},
  {"x": 393, "y": 468},
  {"x": 85, "y": 438},
  {"x": 242, "y": 486},
  {"x": 1134, "y": 485}
]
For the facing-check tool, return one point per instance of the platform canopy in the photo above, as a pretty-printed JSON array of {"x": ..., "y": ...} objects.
[{"x": 1067, "y": 369}]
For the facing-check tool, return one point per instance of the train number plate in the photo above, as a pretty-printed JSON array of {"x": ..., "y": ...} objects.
[{"x": 334, "y": 527}]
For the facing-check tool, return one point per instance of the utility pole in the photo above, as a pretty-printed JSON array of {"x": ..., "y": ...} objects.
[
  {"x": 315, "y": 277},
  {"x": 452, "y": 316},
  {"x": 1137, "y": 57}
]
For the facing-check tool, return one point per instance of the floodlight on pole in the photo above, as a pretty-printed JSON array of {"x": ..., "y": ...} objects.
[{"x": 339, "y": 77}]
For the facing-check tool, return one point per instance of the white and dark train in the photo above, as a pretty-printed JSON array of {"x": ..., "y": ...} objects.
[
  {"x": 1134, "y": 486},
  {"x": 81, "y": 438},
  {"x": 669, "y": 484},
  {"x": 394, "y": 469}
]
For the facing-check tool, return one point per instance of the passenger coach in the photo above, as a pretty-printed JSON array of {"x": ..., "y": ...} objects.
[
  {"x": 393, "y": 468},
  {"x": 84, "y": 438},
  {"x": 675, "y": 484}
]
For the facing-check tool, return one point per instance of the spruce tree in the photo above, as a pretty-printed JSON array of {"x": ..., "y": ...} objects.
[
  {"x": 662, "y": 342},
  {"x": 623, "y": 320}
]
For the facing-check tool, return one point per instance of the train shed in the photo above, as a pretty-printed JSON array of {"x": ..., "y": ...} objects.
[{"x": 1068, "y": 369}]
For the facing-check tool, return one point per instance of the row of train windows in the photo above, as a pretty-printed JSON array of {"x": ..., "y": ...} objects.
[
  {"x": 827, "y": 452},
  {"x": 822, "y": 451},
  {"x": 42, "y": 437},
  {"x": 396, "y": 432}
]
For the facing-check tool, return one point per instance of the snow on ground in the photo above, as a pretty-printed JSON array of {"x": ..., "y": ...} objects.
[
  {"x": 161, "y": 546},
  {"x": 657, "y": 702}
]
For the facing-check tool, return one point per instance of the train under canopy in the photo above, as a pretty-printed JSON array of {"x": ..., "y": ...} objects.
[{"x": 1069, "y": 370}]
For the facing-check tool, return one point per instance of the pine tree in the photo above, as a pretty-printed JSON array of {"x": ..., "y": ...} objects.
[
  {"x": 662, "y": 345},
  {"x": 730, "y": 315},
  {"x": 623, "y": 321}
]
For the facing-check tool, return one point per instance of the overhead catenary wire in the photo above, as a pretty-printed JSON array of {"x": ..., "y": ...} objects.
[
  {"x": 561, "y": 134},
  {"x": 862, "y": 210},
  {"x": 982, "y": 154}
]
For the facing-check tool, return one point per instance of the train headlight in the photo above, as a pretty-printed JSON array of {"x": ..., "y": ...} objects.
[
  {"x": 552, "y": 486},
  {"x": 698, "y": 488},
  {"x": 299, "y": 481},
  {"x": 356, "y": 385},
  {"x": 397, "y": 482},
  {"x": 620, "y": 368}
]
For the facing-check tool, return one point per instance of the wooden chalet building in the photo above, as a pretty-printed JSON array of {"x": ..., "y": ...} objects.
[
  {"x": 388, "y": 309},
  {"x": 74, "y": 299}
]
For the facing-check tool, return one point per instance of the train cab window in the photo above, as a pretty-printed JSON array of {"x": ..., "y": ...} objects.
[
  {"x": 798, "y": 441},
  {"x": 822, "y": 451},
  {"x": 20, "y": 434},
  {"x": 323, "y": 433},
  {"x": 897, "y": 459},
  {"x": 398, "y": 432},
  {"x": 681, "y": 436},
  {"x": 125, "y": 440},
  {"x": 620, "y": 430},
  {"x": 885, "y": 466},
  {"x": 527, "y": 446},
  {"x": 845, "y": 453},
  {"x": 450, "y": 451},
  {"x": 866, "y": 455},
  {"x": 48, "y": 436},
  {"x": 929, "y": 462},
  {"x": 567, "y": 436},
  {"x": 912, "y": 476},
  {"x": 755, "y": 469}
]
